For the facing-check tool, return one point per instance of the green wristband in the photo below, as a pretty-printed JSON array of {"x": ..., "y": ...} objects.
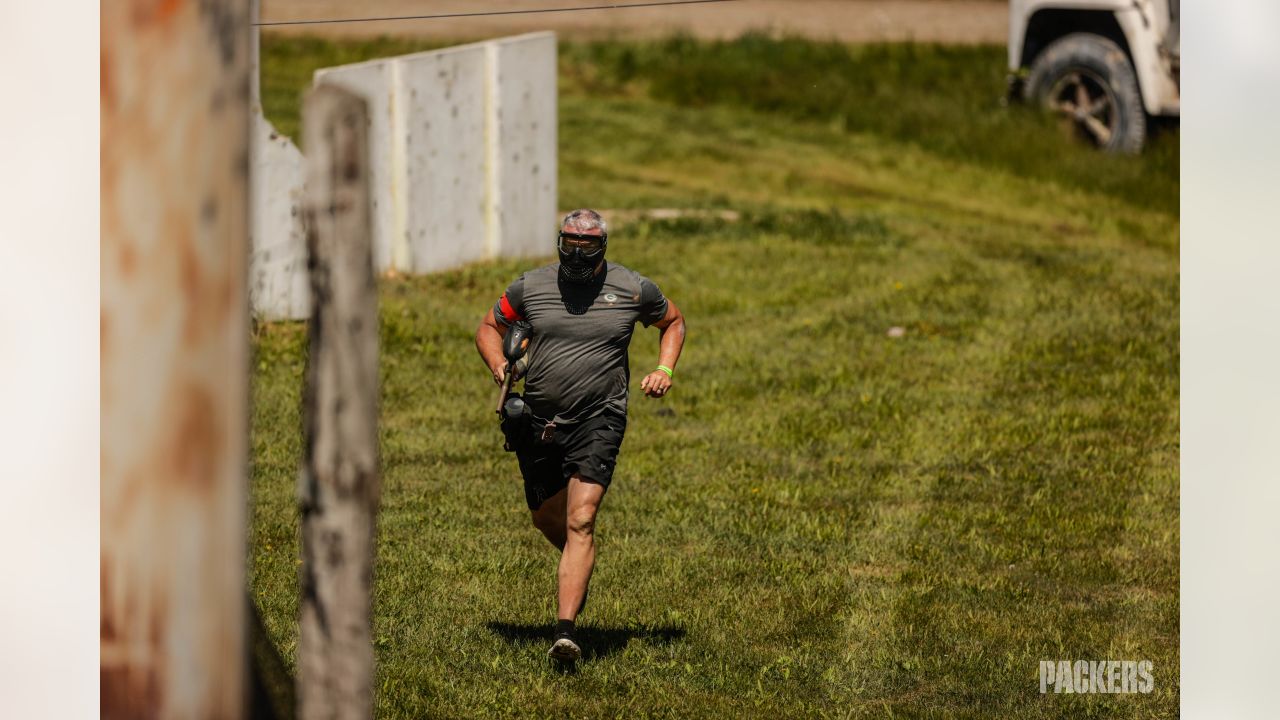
[{"x": 666, "y": 370}]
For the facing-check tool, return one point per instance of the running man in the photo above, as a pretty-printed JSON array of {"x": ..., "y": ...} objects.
[{"x": 583, "y": 311}]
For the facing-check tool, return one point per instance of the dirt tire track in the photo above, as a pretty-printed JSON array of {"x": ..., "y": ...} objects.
[{"x": 950, "y": 21}]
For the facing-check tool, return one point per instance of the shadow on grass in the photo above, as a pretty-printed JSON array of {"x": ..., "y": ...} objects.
[
  {"x": 271, "y": 685},
  {"x": 597, "y": 642}
]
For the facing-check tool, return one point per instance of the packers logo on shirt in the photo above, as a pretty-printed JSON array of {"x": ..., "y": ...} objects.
[{"x": 610, "y": 298}]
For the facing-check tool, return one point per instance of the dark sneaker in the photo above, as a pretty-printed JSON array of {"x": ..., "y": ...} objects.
[{"x": 565, "y": 648}]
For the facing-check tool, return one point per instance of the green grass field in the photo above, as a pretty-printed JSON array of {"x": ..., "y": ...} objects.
[{"x": 821, "y": 520}]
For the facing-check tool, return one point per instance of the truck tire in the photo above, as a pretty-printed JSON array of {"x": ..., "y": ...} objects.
[{"x": 1089, "y": 81}]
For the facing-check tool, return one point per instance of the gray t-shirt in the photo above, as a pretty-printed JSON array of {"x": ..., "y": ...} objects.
[{"x": 578, "y": 355}]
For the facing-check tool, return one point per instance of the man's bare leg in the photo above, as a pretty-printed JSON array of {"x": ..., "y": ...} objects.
[
  {"x": 579, "y": 556},
  {"x": 549, "y": 518}
]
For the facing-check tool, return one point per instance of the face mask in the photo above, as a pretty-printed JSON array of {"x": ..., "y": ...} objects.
[{"x": 579, "y": 255}]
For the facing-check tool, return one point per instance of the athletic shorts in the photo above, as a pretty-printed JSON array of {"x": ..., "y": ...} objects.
[{"x": 589, "y": 447}]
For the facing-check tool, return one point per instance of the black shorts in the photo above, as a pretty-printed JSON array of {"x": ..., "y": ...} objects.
[{"x": 589, "y": 448}]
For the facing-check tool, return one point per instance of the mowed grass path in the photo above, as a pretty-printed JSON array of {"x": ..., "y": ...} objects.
[{"x": 821, "y": 520}]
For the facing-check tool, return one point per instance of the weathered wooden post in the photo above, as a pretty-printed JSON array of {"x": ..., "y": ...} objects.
[
  {"x": 339, "y": 483},
  {"x": 174, "y": 357}
]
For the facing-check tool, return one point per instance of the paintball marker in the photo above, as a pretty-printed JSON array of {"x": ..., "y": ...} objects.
[{"x": 514, "y": 346}]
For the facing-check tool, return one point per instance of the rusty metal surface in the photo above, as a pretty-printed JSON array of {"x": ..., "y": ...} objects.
[{"x": 174, "y": 357}]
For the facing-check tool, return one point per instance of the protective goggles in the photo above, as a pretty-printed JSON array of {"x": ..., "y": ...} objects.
[{"x": 588, "y": 244}]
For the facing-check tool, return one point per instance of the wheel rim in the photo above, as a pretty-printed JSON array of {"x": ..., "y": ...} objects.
[{"x": 1086, "y": 105}]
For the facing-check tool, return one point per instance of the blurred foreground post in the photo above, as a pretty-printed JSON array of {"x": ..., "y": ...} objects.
[
  {"x": 339, "y": 483},
  {"x": 174, "y": 358}
]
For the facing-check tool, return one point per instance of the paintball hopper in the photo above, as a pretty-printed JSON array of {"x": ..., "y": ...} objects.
[{"x": 516, "y": 343}]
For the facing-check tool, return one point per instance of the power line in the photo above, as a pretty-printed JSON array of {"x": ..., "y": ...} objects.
[{"x": 615, "y": 6}]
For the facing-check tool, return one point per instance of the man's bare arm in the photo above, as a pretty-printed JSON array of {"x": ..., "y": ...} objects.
[
  {"x": 489, "y": 342},
  {"x": 670, "y": 343}
]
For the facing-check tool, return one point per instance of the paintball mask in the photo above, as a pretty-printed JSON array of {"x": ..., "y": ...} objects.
[{"x": 580, "y": 254}]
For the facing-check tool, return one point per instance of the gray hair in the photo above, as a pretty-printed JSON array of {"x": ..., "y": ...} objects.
[{"x": 583, "y": 220}]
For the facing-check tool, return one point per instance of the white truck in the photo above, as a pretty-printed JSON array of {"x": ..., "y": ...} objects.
[{"x": 1106, "y": 66}]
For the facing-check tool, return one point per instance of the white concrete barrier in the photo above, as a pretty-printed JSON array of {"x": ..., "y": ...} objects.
[
  {"x": 278, "y": 251},
  {"x": 522, "y": 74},
  {"x": 376, "y": 81},
  {"x": 448, "y": 184},
  {"x": 462, "y": 148},
  {"x": 463, "y": 151}
]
